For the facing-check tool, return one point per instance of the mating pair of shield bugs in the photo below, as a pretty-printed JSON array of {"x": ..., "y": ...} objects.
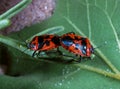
[{"x": 76, "y": 44}]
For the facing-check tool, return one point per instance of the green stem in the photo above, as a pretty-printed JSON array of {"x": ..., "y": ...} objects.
[
  {"x": 4, "y": 23},
  {"x": 108, "y": 62},
  {"x": 52, "y": 30},
  {"x": 99, "y": 71},
  {"x": 13, "y": 11}
]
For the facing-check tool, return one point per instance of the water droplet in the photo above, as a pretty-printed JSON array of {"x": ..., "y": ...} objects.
[
  {"x": 60, "y": 84},
  {"x": 63, "y": 80},
  {"x": 108, "y": 70},
  {"x": 68, "y": 87},
  {"x": 105, "y": 42},
  {"x": 20, "y": 46},
  {"x": 55, "y": 84},
  {"x": 66, "y": 70},
  {"x": 68, "y": 82},
  {"x": 65, "y": 77},
  {"x": 78, "y": 69},
  {"x": 72, "y": 78}
]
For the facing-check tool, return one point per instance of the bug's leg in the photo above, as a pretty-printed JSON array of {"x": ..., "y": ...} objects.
[
  {"x": 58, "y": 50},
  {"x": 33, "y": 54},
  {"x": 69, "y": 61},
  {"x": 71, "y": 58},
  {"x": 38, "y": 53},
  {"x": 68, "y": 56},
  {"x": 90, "y": 58},
  {"x": 78, "y": 58}
]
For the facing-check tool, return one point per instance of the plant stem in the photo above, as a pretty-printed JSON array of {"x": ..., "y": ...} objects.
[
  {"x": 99, "y": 71},
  {"x": 4, "y": 23},
  {"x": 13, "y": 11},
  {"x": 52, "y": 30},
  {"x": 108, "y": 62}
]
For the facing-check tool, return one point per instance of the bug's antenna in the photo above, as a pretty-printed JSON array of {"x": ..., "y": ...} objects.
[
  {"x": 22, "y": 39},
  {"x": 24, "y": 42}
]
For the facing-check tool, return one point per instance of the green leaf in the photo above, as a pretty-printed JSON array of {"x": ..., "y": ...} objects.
[{"x": 96, "y": 19}]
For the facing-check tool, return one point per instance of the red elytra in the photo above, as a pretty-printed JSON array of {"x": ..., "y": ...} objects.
[
  {"x": 44, "y": 43},
  {"x": 77, "y": 44}
]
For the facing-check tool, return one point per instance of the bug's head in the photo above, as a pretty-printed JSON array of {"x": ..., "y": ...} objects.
[
  {"x": 89, "y": 50},
  {"x": 86, "y": 47},
  {"x": 33, "y": 45}
]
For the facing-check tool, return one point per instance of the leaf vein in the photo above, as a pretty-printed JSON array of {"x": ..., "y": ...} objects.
[
  {"x": 67, "y": 4},
  {"x": 74, "y": 26},
  {"x": 113, "y": 28},
  {"x": 88, "y": 18},
  {"x": 106, "y": 5},
  {"x": 116, "y": 3},
  {"x": 95, "y": 3}
]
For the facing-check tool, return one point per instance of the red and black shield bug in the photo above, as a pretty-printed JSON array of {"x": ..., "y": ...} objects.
[
  {"x": 44, "y": 43},
  {"x": 76, "y": 44}
]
